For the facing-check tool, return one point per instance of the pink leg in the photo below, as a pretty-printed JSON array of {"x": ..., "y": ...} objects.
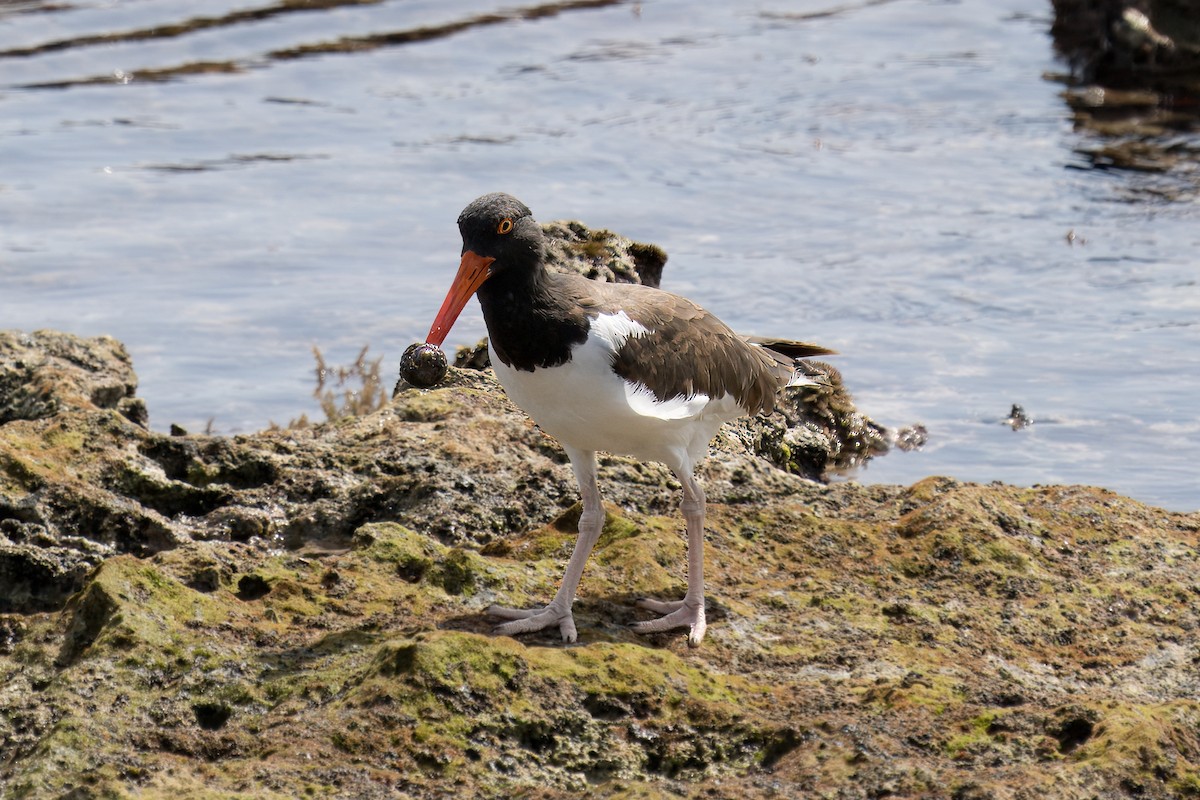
[
  {"x": 688, "y": 612},
  {"x": 591, "y": 522}
]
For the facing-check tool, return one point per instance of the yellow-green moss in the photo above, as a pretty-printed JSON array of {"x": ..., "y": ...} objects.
[
  {"x": 129, "y": 602},
  {"x": 429, "y": 405},
  {"x": 1161, "y": 739},
  {"x": 420, "y": 559},
  {"x": 976, "y": 733},
  {"x": 502, "y": 670}
]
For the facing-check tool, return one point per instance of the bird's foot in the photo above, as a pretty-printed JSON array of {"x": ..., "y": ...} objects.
[
  {"x": 678, "y": 614},
  {"x": 529, "y": 621}
]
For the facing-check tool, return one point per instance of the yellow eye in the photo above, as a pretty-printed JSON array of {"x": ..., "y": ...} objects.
[{"x": 505, "y": 226}]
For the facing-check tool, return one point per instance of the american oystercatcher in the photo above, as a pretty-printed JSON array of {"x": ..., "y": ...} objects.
[{"x": 619, "y": 368}]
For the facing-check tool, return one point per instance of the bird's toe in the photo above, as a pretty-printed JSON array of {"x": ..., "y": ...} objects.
[
  {"x": 531, "y": 621},
  {"x": 659, "y": 606},
  {"x": 566, "y": 627},
  {"x": 512, "y": 613},
  {"x": 680, "y": 615}
]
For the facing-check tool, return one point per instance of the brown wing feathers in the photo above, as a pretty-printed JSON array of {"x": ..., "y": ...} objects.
[{"x": 688, "y": 351}]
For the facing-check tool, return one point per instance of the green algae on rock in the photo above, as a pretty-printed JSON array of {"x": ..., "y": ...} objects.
[
  {"x": 300, "y": 613},
  {"x": 45, "y": 371},
  {"x": 1019, "y": 647}
]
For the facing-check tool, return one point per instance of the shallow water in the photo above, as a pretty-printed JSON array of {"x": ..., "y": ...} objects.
[{"x": 896, "y": 180}]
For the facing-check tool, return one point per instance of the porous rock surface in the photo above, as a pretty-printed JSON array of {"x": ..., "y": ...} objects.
[{"x": 299, "y": 613}]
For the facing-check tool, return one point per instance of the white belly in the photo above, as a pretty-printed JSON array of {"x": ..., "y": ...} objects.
[{"x": 585, "y": 405}]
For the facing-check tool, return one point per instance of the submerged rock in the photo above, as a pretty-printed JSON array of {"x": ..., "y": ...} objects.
[
  {"x": 1134, "y": 84},
  {"x": 1131, "y": 44}
]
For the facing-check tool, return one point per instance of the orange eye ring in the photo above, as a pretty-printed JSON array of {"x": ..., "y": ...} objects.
[{"x": 505, "y": 226}]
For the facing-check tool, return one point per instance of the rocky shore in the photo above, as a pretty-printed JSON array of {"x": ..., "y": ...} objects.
[{"x": 298, "y": 612}]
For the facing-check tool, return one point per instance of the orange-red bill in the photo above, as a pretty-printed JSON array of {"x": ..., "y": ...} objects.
[{"x": 472, "y": 272}]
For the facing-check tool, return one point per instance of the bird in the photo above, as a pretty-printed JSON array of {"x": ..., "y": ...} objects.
[{"x": 624, "y": 369}]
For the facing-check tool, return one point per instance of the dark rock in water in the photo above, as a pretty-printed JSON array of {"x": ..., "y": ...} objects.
[
  {"x": 817, "y": 429},
  {"x": 1130, "y": 44},
  {"x": 1017, "y": 418},
  {"x": 423, "y": 365},
  {"x": 911, "y": 437},
  {"x": 1135, "y": 82}
]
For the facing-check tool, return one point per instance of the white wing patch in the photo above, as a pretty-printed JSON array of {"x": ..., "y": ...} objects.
[
  {"x": 615, "y": 329},
  {"x": 643, "y": 402}
]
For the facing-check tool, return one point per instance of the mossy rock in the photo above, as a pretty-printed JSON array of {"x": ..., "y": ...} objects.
[{"x": 419, "y": 559}]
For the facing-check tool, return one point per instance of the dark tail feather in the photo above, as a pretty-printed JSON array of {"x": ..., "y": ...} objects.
[{"x": 789, "y": 348}]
